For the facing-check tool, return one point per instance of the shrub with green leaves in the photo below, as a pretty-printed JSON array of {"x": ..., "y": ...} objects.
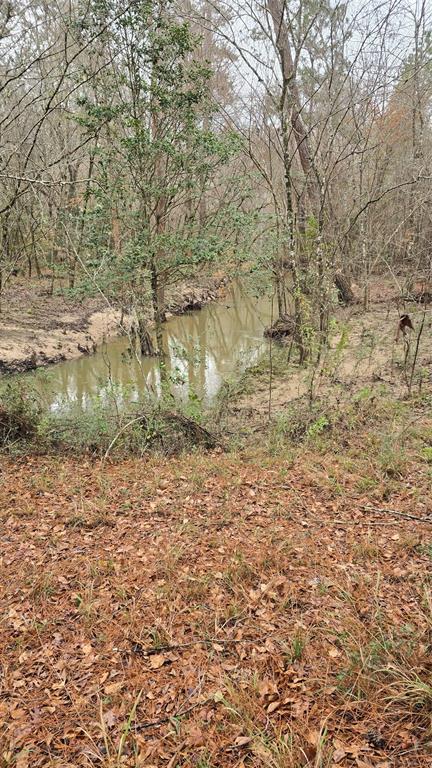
[{"x": 20, "y": 413}]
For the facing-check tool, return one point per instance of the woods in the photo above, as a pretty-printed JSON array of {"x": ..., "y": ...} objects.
[
  {"x": 215, "y": 383},
  {"x": 142, "y": 142}
]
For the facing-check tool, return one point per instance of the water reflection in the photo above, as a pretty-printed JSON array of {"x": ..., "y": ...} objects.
[{"x": 204, "y": 348}]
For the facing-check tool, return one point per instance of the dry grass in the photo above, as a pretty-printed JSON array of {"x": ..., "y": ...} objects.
[{"x": 216, "y": 611}]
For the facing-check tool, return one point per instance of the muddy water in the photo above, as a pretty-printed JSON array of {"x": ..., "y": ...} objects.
[{"x": 204, "y": 348}]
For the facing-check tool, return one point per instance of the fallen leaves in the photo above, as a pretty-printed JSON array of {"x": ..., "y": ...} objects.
[
  {"x": 243, "y": 741},
  {"x": 113, "y": 688},
  {"x": 212, "y": 594},
  {"x": 157, "y": 661}
]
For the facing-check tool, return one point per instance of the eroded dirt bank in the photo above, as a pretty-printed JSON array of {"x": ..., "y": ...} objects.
[
  {"x": 37, "y": 329},
  {"x": 365, "y": 352}
]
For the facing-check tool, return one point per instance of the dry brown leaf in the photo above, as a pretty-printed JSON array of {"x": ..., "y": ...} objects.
[
  {"x": 157, "y": 661},
  {"x": 18, "y": 714},
  {"x": 195, "y": 737},
  {"x": 267, "y": 688},
  {"x": 338, "y": 755},
  {"x": 272, "y": 707},
  {"x": 355, "y": 749},
  {"x": 110, "y": 718},
  {"x": 86, "y": 648},
  {"x": 113, "y": 688},
  {"x": 313, "y": 736},
  {"x": 242, "y": 741}
]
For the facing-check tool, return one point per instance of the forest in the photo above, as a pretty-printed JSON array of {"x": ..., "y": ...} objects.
[{"x": 215, "y": 383}]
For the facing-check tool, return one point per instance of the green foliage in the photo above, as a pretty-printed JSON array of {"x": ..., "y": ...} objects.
[
  {"x": 427, "y": 454},
  {"x": 392, "y": 456},
  {"x": 149, "y": 425},
  {"x": 20, "y": 413},
  {"x": 158, "y": 157},
  {"x": 318, "y": 427},
  {"x": 300, "y": 422},
  {"x": 297, "y": 648},
  {"x": 425, "y": 549}
]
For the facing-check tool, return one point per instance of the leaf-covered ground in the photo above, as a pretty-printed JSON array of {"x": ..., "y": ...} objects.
[{"x": 216, "y": 610}]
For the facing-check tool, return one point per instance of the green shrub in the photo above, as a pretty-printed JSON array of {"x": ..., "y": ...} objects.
[
  {"x": 427, "y": 454},
  {"x": 20, "y": 413}
]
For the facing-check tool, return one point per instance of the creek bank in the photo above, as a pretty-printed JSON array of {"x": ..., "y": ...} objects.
[
  {"x": 37, "y": 329},
  {"x": 365, "y": 356}
]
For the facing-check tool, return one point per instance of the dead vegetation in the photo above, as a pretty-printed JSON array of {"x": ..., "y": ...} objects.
[{"x": 220, "y": 610}]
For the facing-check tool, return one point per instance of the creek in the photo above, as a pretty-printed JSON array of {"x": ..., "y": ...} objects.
[{"x": 204, "y": 348}]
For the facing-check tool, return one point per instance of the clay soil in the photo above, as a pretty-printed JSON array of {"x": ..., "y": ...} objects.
[{"x": 38, "y": 329}]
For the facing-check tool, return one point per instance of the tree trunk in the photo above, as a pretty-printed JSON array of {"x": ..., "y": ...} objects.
[
  {"x": 280, "y": 293},
  {"x": 145, "y": 342},
  {"x": 344, "y": 289},
  {"x": 291, "y": 99},
  {"x": 157, "y": 313},
  {"x": 290, "y": 112}
]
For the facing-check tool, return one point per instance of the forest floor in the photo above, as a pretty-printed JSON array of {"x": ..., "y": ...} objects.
[
  {"x": 268, "y": 608},
  {"x": 37, "y": 328}
]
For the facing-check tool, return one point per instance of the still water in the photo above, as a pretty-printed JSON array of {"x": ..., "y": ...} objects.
[{"x": 204, "y": 348}]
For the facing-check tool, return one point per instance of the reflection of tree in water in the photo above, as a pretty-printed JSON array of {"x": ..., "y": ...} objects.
[{"x": 213, "y": 342}]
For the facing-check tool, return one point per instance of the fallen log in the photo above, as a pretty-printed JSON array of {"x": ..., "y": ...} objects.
[
  {"x": 420, "y": 297},
  {"x": 284, "y": 326}
]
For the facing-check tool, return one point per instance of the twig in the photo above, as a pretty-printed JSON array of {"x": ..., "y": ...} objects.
[
  {"x": 139, "y": 648},
  {"x": 406, "y": 515},
  {"x": 120, "y": 431},
  {"x": 416, "y": 351},
  {"x": 210, "y": 438},
  {"x": 270, "y": 392},
  {"x": 168, "y": 718}
]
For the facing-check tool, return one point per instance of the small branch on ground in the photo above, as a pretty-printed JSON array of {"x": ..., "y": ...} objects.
[
  {"x": 175, "y": 716},
  {"x": 406, "y": 515},
  {"x": 139, "y": 648}
]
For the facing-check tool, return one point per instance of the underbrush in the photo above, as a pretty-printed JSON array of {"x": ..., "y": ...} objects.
[
  {"x": 149, "y": 425},
  {"x": 370, "y": 419},
  {"x": 20, "y": 414},
  {"x": 390, "y": 422}
]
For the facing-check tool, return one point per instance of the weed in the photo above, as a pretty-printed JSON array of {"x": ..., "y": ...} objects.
[
  {"x": 85, "y": 603},
  {"x": 296, "y": 651},
  {"x": 113, "y": 754},
  {"x": 424, "y": 549},
  {"x": 392, "y": 457},
  {"x": 299, "y": 422},
  {"x": 407, "y": 687},
  {"x": 43, "y": 587},
  {"x": 366, "y": 549},
  {"x": 203, "y": 762},
  {"x": 427, "y": 454},
  {"x": 158, "y": 637},
  {"x": 317, "y": 427},
  {"x": 20, "y": 413},
  {"x": 102, "y": 568},
  {"x": 365, "y": 484}
]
